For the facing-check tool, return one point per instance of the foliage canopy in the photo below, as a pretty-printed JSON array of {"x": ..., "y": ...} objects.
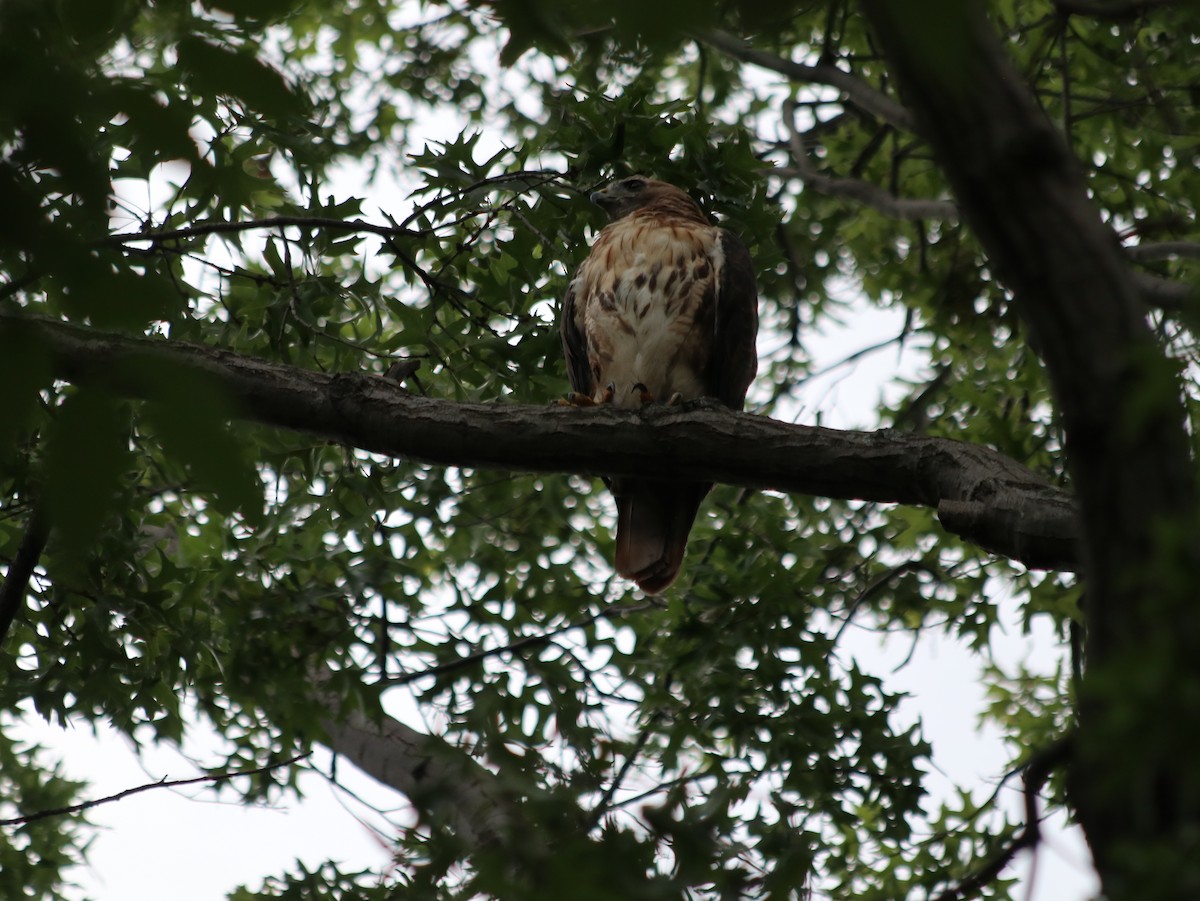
[{"x": 179, "y": 170}]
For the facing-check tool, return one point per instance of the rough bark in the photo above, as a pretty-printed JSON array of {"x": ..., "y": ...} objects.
[
  {"x": 979, "y": 494},
  {"x": 1020, "y": 189}
]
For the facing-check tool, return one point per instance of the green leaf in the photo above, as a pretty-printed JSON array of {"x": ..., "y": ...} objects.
[
  {"x": 87, "y": 452},
  {"x": 237, "y": 73},
  {"x": 193, "y": 425},
  {"x": 25, "y": 370},
  {"x": 256, "y": 11}
]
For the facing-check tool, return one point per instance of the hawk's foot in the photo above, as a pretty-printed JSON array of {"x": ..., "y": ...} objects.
[{"x": 575, "y": 399}]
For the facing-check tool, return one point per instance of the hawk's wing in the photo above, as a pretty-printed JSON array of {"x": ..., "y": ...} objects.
[
  {"x": 575, "y": 344},
  {"x": 733, "y": 359}
]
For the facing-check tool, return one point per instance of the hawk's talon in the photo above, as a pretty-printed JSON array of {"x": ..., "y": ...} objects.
[
  {"x": 575, "y": 399},
  {"x": 675, "y": 400},
  {"x": 643, "y": 393}
]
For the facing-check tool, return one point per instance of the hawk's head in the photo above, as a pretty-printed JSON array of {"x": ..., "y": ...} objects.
[{"x": 628, "y": 195}]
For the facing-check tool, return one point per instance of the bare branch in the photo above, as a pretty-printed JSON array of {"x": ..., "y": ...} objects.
[
  {"x": 222, "y": 228},
  {"x": 854, "y": 188},
  {"x": 1165, "y": 293},
  {"x": 1120, "y": 10},
  {"x": 1163, "y": 250},
  {"x": 995, "y": 501},
  {"x": 161, "y": 783},
  {"x": 870, "y": 195},
  {"x": 1156, "y": 292},
  {"x": 857, "y": 91},
  {"x": 159, "y": 237},
  {"x": 1037, "y": 771},
  {"x": 605, "y": 804}
]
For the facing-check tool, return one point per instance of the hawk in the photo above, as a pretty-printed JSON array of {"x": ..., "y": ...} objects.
[{"x": 664, "y": 309}]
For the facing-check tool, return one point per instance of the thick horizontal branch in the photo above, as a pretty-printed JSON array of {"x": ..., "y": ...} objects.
[{"x": 979, "y": 493}]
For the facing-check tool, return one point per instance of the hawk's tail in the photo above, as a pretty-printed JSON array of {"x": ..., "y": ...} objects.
[{"x": 653, "y": 522}]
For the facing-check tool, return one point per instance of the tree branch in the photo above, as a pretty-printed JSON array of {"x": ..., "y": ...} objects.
[
  {"x": 1022, "y": 192},
  {"x": 1162, "y": 250},
  {"x": 161, "y": 783},
  {"x": 157, "y": 236},
  {"x": 448, "y": 787},
  {"x": 1037, "y": 771},
  {"x": 1165, "y": 293},
  {"x": 1112, "y": 10},
  {"x": 985, "y": 497},
  {"x": 854, "y": 188},
  {"x": 857, "y": 91},
  {"x": 1157, "y": 292},
  {"x": 450, "y": 790},
  {"x": 609, "y": 611}
]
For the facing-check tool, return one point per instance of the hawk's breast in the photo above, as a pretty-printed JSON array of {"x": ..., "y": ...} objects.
[{"x": 647, "y": 301}]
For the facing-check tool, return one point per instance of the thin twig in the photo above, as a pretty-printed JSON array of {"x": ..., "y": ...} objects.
[
  {"x": 519, "y": 644},
  {"x": 606, "y": 800},
  {"x": 161, "y": 783},
  {"x": 272, "y": 222},
  {"x": 852, "y": 358},
  {"x": 909, "y": 566},
  {"x": 1121, "y": 10},
  {"x": 856, "y": 189},
  {"x": 1037, "y": 771}
]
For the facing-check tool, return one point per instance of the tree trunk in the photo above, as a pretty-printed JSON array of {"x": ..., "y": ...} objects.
[{"x": 1136, "y": 774}]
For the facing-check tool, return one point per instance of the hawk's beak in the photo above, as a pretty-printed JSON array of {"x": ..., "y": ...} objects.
[{"x": 602, "y": 199}]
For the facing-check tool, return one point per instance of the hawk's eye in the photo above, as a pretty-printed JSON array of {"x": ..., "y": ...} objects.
[{"x": 633, "y": 184}]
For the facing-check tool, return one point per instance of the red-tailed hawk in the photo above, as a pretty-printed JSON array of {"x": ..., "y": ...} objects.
[{"x": 664, "y": 309}]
